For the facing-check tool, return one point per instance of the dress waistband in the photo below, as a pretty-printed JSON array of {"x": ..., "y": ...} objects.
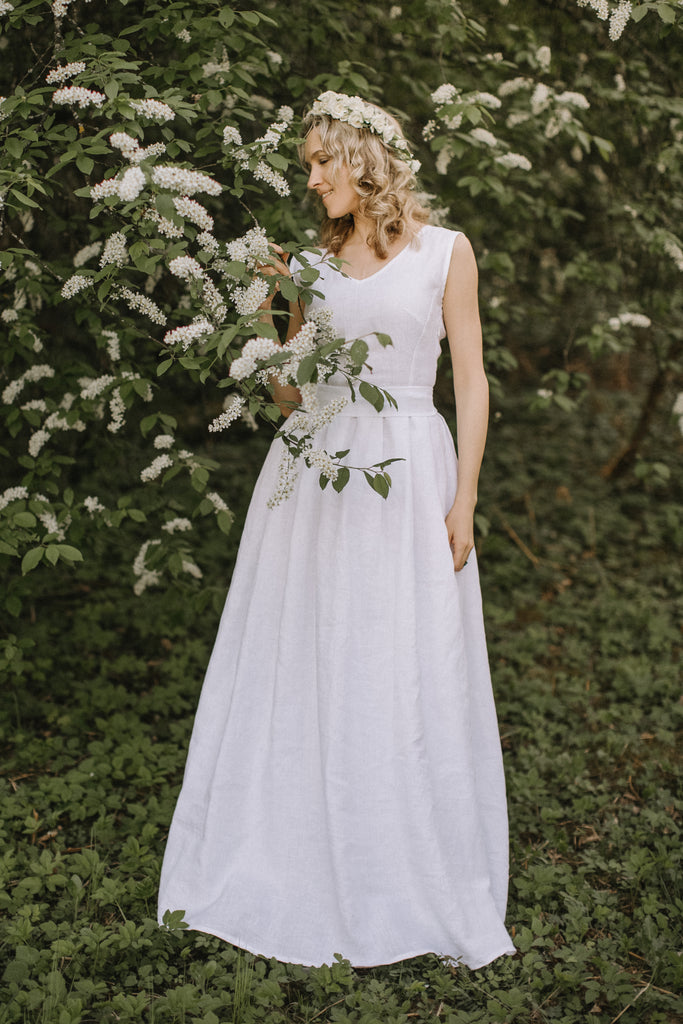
[{"x": 412, "y": 400}]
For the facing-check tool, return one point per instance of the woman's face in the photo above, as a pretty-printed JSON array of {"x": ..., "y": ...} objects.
[{"x": 339, "y": 198}]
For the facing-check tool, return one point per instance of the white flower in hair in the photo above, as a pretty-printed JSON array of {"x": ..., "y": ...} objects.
[{"x": 355, "y": 111}]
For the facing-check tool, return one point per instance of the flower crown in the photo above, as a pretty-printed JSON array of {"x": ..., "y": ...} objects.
[{"x": 359, "y": 114}]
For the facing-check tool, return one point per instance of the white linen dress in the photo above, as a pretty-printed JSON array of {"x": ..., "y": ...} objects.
[{"x": 344, "y": 789}]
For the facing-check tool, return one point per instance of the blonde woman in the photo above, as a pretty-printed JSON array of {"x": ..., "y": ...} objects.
[{"x": 344, "y": 790}]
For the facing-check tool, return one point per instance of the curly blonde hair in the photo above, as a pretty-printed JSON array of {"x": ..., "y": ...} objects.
[{"x": 383, "y": 180}]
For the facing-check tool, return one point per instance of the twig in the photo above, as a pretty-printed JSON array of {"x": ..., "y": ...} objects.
[
  {"x": 628, "y": 1007},
  {"x": 514, "y": 536}
]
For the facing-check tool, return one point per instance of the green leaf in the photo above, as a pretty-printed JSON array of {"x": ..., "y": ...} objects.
[
  {"x": 289, "y": 289},
  {"x": 163, "y": 366},
  {"x": 666, "y": 13},
  {"x": 383, "y": 339},
  {"x": 225, "y": 520},
  {"x": 381, "y": 485},
  {"x": 7, "y": 549},
  {"x": 342, "y": 479},
  {"x": 85, "y": 163},
  {"x": 31, "y": 559},
  {"x": 69, "y": 553},
  {"x": 52, "y": 554},
  {"x": 371, "y": 394},
  {"x": 25, "y": 520},
  {"x": 306, "y": 368}
]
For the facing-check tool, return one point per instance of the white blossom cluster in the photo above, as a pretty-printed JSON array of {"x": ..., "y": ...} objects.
[
  {"x": 206, "y": 241},
  {"x": 189, "y": 333},
  {"x": 312, "y": 416},
  {"x": 75, "y": 284},
  {"x": 485, "y": 99},
  {"x": 142, "y": 304},
  {"x": 444, "y": 94},
  {"x": 186, "y": 268},
  {"x": 573, "y": 99},
  {"x": 62, "y": 74},
  {"x": 191, "y": 568},
  {"x": 164, "y": 226},
  {"x": 255, "y": 350},
  {"x": 267, "y": 143},
  {"x": 678, "y": 410},
  {"x": 92, "y": 387},
  {"x": 178, "y": 525},
  {"x": 619, "y": 19},
  {"x": 513, "y": 85},
  {"x": 217, "y": 502},
  {"x": 144, "y": 577},
  {"x": 93, "y": 505},
  {"x": 249, "y": 300},
  {"x": 154, "y": 110},
  {"x": 231, "y": 136},
  {"x": 30, "y": 376},
  {"x": 183, "y": 35},
  {"x": 131, "y": 148},
  {"x": 51, "y": 525},
  {"x": 484, "y": 136},
  {"x": 87, "y": 253},
  {"x": 117, "y": 411},
  {"x": 232, "y": 411},
  {"x": 301, "y": 344},
  {"x": 318, "y": 458},
  {"x": 37, "y": 404},
  {"x": 164, "y": 441},
  {"x": 156, "y": 467},
  {"x": 601, "y": 7},
  {"x": 55, "y": 421},
  {"x": 251, "y": 249},
  {"x": 217, "y": 68},
  {"x": 213, "y": 300},
  {"x": 540, "y": 98},
  {"x": 544, "y": 56},
  {"x": 60, "y": 7},
  {"x": 12, "y": 494},
  {"x": 673, "y": 249},
  {"x": 115, "y": 251},
  {"x": 76, "y": 95},
  {"x": 6, "y": 7},
  {"x": 629, "y": 320},
  {"x": 264, "y": 172},
  {"x": 193, "y": 211},
  {"x": 287, "y": 474},
  {"x": 514, "y": 160},
  {"x": 131, "y": 184},
  {"x": 113, "y": 345},
  {"x": 179, "y": 179}
]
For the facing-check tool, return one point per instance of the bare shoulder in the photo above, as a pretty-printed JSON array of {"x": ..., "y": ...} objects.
[{"x": 463, "y": 265}]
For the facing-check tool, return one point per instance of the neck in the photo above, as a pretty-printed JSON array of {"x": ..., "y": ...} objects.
[{"x": 362, "y": 228}]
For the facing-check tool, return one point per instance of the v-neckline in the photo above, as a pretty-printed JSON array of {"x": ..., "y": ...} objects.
[{"x": 385, "y": 266}]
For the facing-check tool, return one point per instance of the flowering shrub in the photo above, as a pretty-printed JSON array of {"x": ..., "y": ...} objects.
[{"x": 145, "y": 164}]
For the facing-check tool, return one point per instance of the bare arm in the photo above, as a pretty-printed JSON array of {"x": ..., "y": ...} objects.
[
  {"x": 463, "y": 327},
  {"x": 285, "y": 395}
]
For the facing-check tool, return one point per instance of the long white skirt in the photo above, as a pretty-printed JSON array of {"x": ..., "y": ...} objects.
[{"x": 344, "y": 790}]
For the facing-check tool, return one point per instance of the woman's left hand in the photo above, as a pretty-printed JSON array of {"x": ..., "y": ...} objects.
[{"x": 460, "y": 526}]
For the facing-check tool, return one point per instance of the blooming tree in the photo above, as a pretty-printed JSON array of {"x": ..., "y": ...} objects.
[{"x": 147, "y": 159}]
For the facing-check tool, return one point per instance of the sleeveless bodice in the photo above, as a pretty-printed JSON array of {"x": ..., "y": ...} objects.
[{"x": 402, "y": 299}]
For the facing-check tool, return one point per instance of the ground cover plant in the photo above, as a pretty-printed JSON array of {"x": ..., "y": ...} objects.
[{"x": 583, "y": 603}]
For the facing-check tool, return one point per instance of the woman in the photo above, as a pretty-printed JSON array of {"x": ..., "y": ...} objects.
[{"x": 344, "y": 790}]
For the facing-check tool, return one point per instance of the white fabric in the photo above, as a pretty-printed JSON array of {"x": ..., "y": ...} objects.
[{"x": 344, "y": 790}]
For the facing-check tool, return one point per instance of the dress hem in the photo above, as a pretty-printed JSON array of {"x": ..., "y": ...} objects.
[{"x": 390, "y": 959}]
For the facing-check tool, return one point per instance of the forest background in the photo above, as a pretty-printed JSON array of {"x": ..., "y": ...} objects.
[{"x": 145, "y": 150}]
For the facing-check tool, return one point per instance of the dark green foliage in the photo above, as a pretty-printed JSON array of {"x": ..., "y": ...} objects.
[{"x": 583, "y": 602}]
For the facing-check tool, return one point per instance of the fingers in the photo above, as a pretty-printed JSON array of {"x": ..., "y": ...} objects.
[{"x": 461, "y": 554}]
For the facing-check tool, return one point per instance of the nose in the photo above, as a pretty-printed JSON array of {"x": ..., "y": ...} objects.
[{"x": 314, "y": 178}]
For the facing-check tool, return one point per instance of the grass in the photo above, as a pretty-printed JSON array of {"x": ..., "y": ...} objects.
[{"x": 583, "y": 596}]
